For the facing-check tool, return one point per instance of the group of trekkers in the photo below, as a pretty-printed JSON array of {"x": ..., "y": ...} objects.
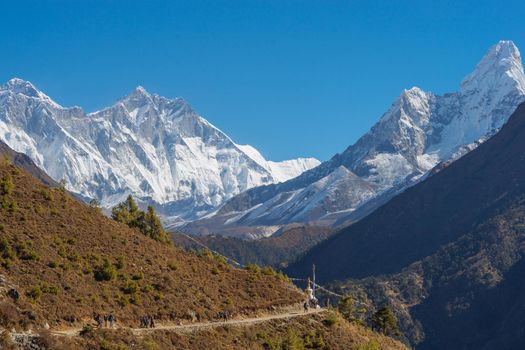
[
  {"x": 102, "y": 321},
  {"x": 147, "y": 321},
  {"x": 312, "y": 303},
  {"x": 224, "y": 315}
]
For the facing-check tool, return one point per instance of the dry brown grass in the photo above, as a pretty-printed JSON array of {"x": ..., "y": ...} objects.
[
  {"x": 59, "y": 242},
  {"x": 51, "y": 246}
]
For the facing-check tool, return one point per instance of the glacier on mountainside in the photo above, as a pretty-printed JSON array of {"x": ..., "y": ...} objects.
[{"x": 157, "y": 149}]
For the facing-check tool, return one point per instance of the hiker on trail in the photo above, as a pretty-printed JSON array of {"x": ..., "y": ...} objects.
[
  {"x": 144, "y": 322},
  {"x": 98, "y": 319},
  {"x": 111, "y": 319},
  {"x": 305, "y": 306},
  {"x": 105, "y": 320},
  {"x": 151, "y": 322}
]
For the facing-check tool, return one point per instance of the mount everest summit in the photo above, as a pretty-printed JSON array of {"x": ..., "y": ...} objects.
[
  {"x": 157, "y": 149},
  {"x": 419, "y": 131}
]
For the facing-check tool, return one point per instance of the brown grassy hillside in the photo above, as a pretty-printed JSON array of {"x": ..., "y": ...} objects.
[
  {"x": 66, "y": 261},
  {"x": 53, "y": 248}
]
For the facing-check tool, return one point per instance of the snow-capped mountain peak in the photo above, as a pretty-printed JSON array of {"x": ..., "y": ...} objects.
[
  {"x": 26, "y": 88},
  {"x": 140, "y": 90},
  {"x": 23, "y": 87},
  {"x": 411, "y": 107},
  {"x": 158, "y": 149},
  {"x": 501, "y": 66},
  {"x": 283, "y": 170},
  {"x": 418, "y": 131}
]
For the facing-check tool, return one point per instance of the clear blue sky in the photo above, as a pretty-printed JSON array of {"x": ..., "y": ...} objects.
[{"x": 292, "y": 78}]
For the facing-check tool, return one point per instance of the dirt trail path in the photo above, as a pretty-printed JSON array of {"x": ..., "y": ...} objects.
[{"x": 71, "y": 332}]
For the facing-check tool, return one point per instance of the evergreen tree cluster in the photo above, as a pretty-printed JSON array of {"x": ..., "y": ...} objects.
[
  {"x": 382, "y": 320},
  {"x": 146, "y": 222}
]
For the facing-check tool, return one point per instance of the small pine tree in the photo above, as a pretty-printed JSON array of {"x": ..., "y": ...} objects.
[
  {"x": 132, "y": 206},
  {"x": 127, "y": 212},
  {"x": 120, "y": 213},
  {"x": 384, "y": 320},
  {"x": 152, "y": 226},
  {"x": 347, "y": 308}
]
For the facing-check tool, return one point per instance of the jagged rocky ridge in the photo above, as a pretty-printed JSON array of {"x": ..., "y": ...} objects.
[
  {"x": 158, "y": 149},
  {"x": 418, "y": 132}
]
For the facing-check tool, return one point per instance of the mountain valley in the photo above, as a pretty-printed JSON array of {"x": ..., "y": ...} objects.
[
  {"x": 420, "y": 131},
  {"x": 445, "y": 253}
]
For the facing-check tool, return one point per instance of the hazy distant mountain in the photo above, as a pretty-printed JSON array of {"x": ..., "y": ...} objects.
[
  {"x": 157, "y": 149},
  {"x": 447, "y": 253},
  {"x": 418, "y": 132}
]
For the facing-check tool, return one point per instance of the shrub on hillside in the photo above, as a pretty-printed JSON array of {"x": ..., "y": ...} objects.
[
  {"x": 34, "y": 293},
  {"x": 269, "y": 271},
  {"x": 122, "y": 300},
  {"x": 48, "y": 289},
  {"x": 138, "y": 276},
  {"x": 253, "y": 268},
  {"x": 130, "y": 287},
  {"x": 106, "y": 271},
  {"x": 46, "y": 194},
  {"x": 6, "y": 185},
  {"x": 9, "y": 205},
  {"x": 25, "y": 252},
  {"x": 135, "y": 299},
  {"x": 120, "y": 262},
  {"x": 86, "y": 330},
  {"x": 5, "y": 249},
  {"x": 146, "y": 288},
  {"x": 331, "y": 321},
  {"x": 314, "y": 340}
]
